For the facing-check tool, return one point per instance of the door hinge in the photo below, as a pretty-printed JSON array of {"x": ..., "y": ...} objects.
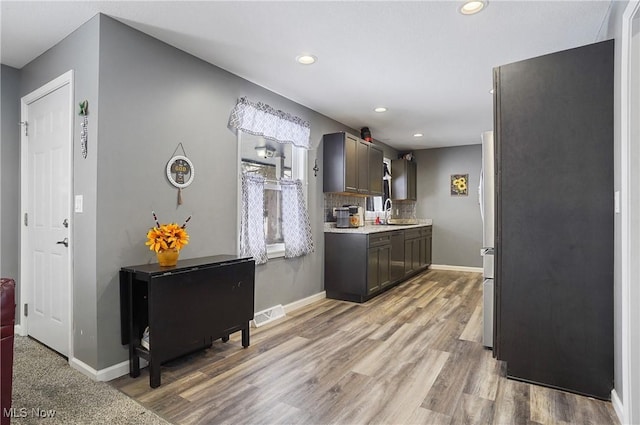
[
  {"x": 26, "y": 219},
  {"x": 25, "y": 124},
  {"x": 26, "y": 310}
]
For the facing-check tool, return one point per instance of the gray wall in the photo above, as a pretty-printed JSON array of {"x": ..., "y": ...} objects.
[
  {"x": 79, "y": 52},
  {"x": 152, "y": 96},
  {"x": 9, "y": 174},
  {"x": 145, "y": 97},
  {"x": 457, "y": 226}
]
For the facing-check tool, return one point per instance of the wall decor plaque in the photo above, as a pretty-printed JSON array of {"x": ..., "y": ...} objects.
[
  {"x": 459, "y": 184},
  {"x": 180, "y": 171}
]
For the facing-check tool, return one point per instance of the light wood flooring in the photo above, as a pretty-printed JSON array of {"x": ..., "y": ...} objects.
[{"x": 412, "y": 355}]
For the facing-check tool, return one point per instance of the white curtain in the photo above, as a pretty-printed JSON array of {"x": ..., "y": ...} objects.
[
  {"x": 252, "y": 241},
  {"x": 261, "y": 119},
  {"x": 296, "y": 228}
]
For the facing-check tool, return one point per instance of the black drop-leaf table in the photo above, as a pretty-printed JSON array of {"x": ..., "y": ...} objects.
[{"x": 186, "y": 307}]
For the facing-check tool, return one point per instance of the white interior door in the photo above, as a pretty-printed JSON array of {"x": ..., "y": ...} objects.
[{"x": 46, "y": 262}]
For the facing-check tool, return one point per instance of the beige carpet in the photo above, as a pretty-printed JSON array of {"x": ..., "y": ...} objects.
[{"x": 46, "y": 390}]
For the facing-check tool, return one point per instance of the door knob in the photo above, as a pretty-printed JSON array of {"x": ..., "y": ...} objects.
[{"x": 64, "y": 242}]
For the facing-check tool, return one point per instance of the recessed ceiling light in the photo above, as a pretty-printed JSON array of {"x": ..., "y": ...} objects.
[
  {"x": 471, "y": 7},
  {"x": 306, "y": 59},
  {"x": 418, "y": 135},
  {"x": 380, "y": 109}
]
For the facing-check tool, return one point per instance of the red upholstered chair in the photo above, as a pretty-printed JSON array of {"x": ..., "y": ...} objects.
[{"x": 7, "y": 321}]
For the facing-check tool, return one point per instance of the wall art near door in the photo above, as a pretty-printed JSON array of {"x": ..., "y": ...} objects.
[
  {"x": 84, "y": 133},
  {"x": 459, "y": 184}
]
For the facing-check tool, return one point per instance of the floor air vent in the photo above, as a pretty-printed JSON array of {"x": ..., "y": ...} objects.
[{"x": 269, "y": 315}]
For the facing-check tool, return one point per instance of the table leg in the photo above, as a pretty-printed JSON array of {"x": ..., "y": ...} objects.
[
  {"x": 134, "y": 359},
  {"x": 134, "y": 366},
  {"x": 245, "y": 335},
  {"x": 154, "y": 373}
]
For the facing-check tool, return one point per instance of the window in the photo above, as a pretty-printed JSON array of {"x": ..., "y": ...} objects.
[{"x": 273, "y": 161}]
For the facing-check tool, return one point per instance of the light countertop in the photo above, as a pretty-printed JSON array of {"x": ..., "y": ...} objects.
[{"x": 375, "y": 228}]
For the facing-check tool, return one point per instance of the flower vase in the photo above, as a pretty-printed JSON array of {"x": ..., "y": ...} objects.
[{"x": 168, "y": 257}]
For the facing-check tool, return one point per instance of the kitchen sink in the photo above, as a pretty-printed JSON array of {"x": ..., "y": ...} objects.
[{"x": 402, "y": 221}]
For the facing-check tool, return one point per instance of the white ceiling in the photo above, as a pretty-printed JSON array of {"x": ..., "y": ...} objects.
[{"x": 427, "y": 63}]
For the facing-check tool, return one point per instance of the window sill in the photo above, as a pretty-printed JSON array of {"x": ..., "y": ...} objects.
[{"x": 275, "y": 251}]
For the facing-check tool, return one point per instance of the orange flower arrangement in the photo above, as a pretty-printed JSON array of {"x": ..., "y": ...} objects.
[{"x": 167, "y": 236}]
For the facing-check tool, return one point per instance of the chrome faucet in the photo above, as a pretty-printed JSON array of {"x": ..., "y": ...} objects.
[{"x": 387, "y": 211}]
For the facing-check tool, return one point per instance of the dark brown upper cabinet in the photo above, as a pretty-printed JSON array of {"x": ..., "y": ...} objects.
[
  {"x": 351, "y": 165},
  {"x": 404, "y": 178}
]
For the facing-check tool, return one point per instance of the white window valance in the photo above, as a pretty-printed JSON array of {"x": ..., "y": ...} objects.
[{"x": 261, "y": 119}]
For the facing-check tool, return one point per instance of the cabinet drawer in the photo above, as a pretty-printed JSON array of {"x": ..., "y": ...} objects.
[
  {"x": 379, "y": 239},
  {"x": 426, "y": 231},
  {"x": 411, "y": 234}
]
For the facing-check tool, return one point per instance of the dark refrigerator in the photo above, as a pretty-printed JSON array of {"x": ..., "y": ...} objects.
[{"x": 555, "y": 219}]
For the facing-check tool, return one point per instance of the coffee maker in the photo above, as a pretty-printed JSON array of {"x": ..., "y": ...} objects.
[{"x": 356, "y": 216}]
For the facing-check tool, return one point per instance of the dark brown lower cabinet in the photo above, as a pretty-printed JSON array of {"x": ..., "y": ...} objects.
[
  {"x": 417, "y": 249},
  {"x": 359, "y": 266},
  {"x": 397, "y": 255},
  {"x": 378, "y": 273},
  {"x": 425, "y": 246},
  {"x": 411, "y": 252}
]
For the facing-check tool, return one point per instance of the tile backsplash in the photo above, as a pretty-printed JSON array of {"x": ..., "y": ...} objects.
[
  {"x": 401, "y": 209},
  {"x": 333, "y": 200}
]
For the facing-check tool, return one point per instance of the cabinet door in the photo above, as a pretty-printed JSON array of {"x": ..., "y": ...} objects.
[
  {"x": 415, "y": 254},
  {"x": 363, "y": 166},
  {"x": 373, "y": 276},
  {"x": 412, "y": 177},
  {"x": 397, "y": 255},
  {"x": 425, "y": 251},
  {"x": 376, "y": 170},
  {"x": 350, "y": 163},
  {"x": 408, "y": 256},
  {"x": 384, "y": 265},
  {"x": 404, "y": 185},
  {"x": 399, "y": 180}
]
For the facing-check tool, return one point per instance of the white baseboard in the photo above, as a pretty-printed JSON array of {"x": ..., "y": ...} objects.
[
  {"x": 17, "y": 329},
  {"x": 84, "y": 368},
  {"x": 103, "y": 375},
  {"x": 304, "y": 302},
  {"x": 617, "y": 406},
  {"x": 456, "y": 268}
]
